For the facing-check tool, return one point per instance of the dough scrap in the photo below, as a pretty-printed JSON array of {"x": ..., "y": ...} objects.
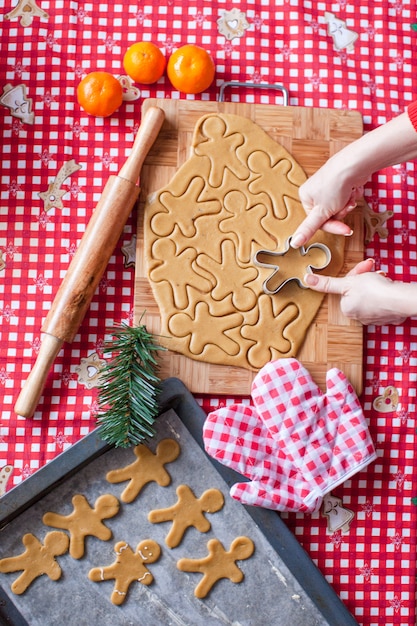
[{"x": 237, "y": 194}]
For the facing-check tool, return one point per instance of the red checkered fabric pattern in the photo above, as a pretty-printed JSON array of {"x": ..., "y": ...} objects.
[
  {"x": 319, "y": 439},
  {"x": 371, "y": 564}
]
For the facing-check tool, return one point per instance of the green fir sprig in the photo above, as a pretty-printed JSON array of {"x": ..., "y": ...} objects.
[{"x": 129, "y": 387}]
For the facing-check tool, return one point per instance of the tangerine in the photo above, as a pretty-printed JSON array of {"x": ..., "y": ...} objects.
[
  {"x": 191, "y": 69},
  {"x": 100, "y": 94},
  {"x": 144, "y": 62}
]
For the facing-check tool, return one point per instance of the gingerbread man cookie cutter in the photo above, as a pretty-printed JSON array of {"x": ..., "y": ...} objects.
[{"x": 291, "y": 264}]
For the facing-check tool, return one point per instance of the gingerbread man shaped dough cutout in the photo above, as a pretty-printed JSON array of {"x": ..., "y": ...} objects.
[
  {"x": 218, "y": 145},
  {"x": 188, "y": 512},
  {"x": 36, "y": 560},
  {"x": 128, "y": 567},
  {"x": 219, "y": 563},
  {"x": 148, "y": 467},
  {"x": 84, "y": 521}
]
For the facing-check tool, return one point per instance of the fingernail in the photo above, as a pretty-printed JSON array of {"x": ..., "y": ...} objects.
[
  {"x": 297, "y": 241},
  {"x": 311, "y": 279},
  {"x": 349, "y": 234}
]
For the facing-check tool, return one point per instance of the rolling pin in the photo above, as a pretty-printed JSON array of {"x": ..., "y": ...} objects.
[{"x": 89, "y": 262}]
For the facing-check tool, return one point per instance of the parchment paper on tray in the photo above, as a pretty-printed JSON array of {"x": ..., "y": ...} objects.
[{"x": 269, "y": 593}]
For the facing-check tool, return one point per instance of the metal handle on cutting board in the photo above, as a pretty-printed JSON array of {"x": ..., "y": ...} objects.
[{"x": 284, "y": 90}]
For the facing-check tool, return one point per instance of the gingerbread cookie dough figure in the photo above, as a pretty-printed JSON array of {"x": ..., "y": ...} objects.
[
  {"x": 188, "y": 512},
  {"x": 85, "y": 520},
  {"x": 36, "y": 560},
  {"x": 148, "y": 467},
  {"x": 128, "y": 567},
  {"x": 219, "y": 563}
]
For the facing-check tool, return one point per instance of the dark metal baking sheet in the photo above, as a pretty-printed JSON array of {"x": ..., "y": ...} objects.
[{"x": 288, "y": 587}]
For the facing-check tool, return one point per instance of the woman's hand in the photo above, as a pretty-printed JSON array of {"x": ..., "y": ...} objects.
[
  {"x": 324, "y": 212},
  {"x": 327, "y": 197},
  {"x": 330, "y": 193},
  {"x": 369, "y": 296}
]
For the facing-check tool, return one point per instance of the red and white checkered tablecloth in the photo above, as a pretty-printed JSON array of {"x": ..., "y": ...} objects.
[{"x": 347, "y": 54}]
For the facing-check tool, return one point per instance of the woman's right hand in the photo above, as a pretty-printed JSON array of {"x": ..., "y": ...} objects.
[{"x": 327, "y": 197}]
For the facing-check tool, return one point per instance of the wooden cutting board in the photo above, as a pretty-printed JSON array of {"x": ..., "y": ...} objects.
[{"x": 311, "y": 136}]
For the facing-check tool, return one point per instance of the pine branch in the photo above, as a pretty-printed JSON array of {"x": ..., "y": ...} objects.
[{"x": 129, "y": 387}]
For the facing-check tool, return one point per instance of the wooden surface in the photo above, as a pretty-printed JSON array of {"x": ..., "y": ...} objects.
[{"x": 311, "y": 136}]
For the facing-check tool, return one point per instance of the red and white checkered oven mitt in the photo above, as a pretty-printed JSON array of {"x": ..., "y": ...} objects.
[
  {"x": 236, "y": 437},
  {"x": 315, "y": 440}
]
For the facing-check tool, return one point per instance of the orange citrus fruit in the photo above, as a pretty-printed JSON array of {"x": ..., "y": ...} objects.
[
  {"x": 191, "y": 69},
  {"x": 99, "y": 94},
  {"x": 144, "y": 62}
]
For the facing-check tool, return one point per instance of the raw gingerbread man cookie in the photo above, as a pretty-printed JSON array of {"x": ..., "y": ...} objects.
[
  {"x": 128, "y": 567},
  {"x": 147, "y": 468},
  {"x": 222, "y": 149},
  {"x": 84, "y": 521},
  {"x": 36, "y": 560},
  {"x": 218, "y": 564},
  {"x": 188, "y": 512}
]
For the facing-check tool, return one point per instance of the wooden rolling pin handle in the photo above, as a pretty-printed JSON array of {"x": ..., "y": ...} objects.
[
  {"x": 145, "y": 138},
  {"x": 33, "y": 387},
  {"x": 89, "y": 262}
]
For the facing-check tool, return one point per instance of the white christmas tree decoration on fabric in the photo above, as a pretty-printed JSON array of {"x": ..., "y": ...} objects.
[
  {"x": 296, "y": 443},
  {"x": 343, "y": 38}
]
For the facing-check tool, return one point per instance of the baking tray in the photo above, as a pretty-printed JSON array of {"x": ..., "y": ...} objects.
[{"x": 282, "y": 585}]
